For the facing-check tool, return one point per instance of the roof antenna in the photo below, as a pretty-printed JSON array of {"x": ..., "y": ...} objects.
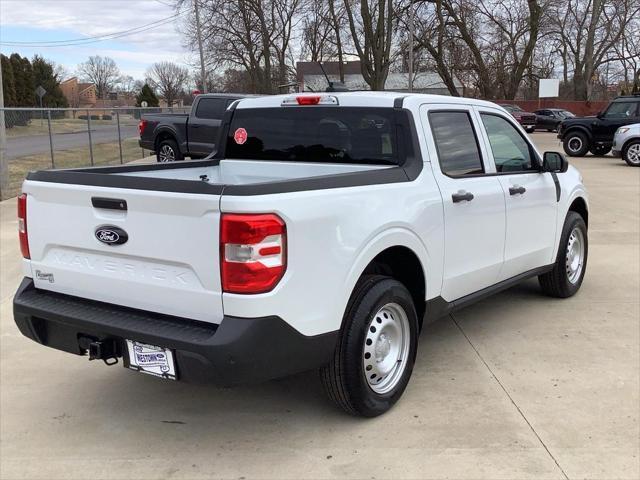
[{"x": 330, "y": 88}]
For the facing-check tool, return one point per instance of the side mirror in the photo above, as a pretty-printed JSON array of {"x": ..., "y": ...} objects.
[
  {"x": 600, "y": 114},
  {"x": 554, "y": 162}
]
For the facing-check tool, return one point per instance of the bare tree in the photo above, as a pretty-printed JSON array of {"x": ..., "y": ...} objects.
[
  {"x": 101, "y": 71},
  {"x": 169, "y": 79},
  {"x": 589, "y": 31},
  {"x": 371, "y": 29}
]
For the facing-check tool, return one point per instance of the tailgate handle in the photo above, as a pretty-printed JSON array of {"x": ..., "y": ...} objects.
[{"x": 109, "y": 203}]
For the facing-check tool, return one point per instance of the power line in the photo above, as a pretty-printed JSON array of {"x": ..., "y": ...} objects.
[{"x": 96, "y": 38}]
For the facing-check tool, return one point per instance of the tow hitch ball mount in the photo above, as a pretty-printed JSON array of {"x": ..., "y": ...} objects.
[{"x": 106, "y": 350}]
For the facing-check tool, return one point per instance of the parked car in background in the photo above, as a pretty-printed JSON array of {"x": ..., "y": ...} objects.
[
  {"x": 174, "y": 136},
  {"x": 320, "y": 234},
  {"x": 626, "y": 143},
  {"x": 595, "y": 134},
  {"x": 550, "y": 118},
  {"x": 526, "y": 119}
]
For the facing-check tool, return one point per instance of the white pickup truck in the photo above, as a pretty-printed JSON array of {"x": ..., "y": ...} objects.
[{"x": 321, "y": 234}]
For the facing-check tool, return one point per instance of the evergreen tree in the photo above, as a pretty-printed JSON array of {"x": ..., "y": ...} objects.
[
  {"x": 8, "y": 82},
  {"x": 23, "y": 81},
  {"x": 146, "y": 95},
  {"x": 44, "y": 75}
]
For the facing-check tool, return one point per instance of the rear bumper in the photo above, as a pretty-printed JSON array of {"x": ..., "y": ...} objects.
[
  {"x": 239, "y": 350},
  {"x": 147, "y": 144}
]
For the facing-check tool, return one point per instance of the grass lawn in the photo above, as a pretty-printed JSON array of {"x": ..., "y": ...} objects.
[
  {"x": 59, "y": 125},
  {"x": 103, "y": 154}
]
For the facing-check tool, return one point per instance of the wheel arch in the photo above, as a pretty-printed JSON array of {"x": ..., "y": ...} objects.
[
  {"x": 578, "y": 128},
  {"x": 399, "y": 254},
  {"x": 165, "y": 134},
  {"x": 579, "y": 205},
  {"x": 628, "y": 142}
]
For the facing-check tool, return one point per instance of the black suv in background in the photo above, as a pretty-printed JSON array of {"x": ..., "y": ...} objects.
[{"x": 595, "y": 134}]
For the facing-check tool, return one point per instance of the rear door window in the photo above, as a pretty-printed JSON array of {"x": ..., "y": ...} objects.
[
  {"x": 456, "y": 143},
  {"x": 211, "y": 108},
  {"x": 313, "y": 134}
]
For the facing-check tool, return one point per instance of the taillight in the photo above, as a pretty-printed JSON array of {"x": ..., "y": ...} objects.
[
  {"x": 141, "y": 126},
  {"x": 22, "y": 225},
  {"x": 310, "y": 100},
  {"x": 252, "y": 252}
]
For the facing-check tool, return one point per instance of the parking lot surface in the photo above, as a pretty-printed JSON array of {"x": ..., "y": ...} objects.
[{"x": 516, "y": 386}]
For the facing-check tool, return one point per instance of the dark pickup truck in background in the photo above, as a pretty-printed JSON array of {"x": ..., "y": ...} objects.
[{"x": 174, "y": 136}]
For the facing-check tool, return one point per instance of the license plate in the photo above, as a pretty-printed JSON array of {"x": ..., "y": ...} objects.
[{"x": 151, "y": 359}]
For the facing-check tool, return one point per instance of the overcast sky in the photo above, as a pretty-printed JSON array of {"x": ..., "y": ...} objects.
[{"x": 54, "y": 20}]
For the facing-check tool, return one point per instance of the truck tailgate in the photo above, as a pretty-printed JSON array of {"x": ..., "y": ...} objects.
[{"x": 169, "y": 263}]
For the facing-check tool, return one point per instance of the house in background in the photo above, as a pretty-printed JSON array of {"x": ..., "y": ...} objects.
[
  {"x": 78, "y": 94},
  {"x": 311, "y": 78}
]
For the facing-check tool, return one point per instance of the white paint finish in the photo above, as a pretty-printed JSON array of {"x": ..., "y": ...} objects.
[
  {"x": 474, "y": 231},
  {"x": 332, "y": 234},
  {"x": 531, "y": 216},
  {"x": 170, "y": 264}
]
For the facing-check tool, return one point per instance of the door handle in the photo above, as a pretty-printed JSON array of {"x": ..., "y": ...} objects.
[
  {"x": 517, "y": 190},
  {"x": 462, "y": 196}
]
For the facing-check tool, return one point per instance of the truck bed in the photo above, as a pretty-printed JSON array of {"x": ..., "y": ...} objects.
[{"x": 212, "y": 176}]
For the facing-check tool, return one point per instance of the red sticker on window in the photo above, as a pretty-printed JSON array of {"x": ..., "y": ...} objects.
[{"x": 240, "y": 136}]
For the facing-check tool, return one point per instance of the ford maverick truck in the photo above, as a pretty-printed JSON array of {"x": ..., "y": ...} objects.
[{"x": 321, "y": 235}]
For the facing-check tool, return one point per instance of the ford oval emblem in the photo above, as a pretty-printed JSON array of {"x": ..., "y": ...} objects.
[{"x": 111, "y": 235}]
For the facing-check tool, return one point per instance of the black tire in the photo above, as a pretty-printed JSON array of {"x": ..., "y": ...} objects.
[
  {"x": 600, "y": 150},
  {"x": 551, "y": 130},
  {"x": 344, "y": 378},
  {"x": 166, "y": 149},
  {"x": 557, "y": 283},
  {"x": 630, "y": 155},
  {"x": 529, "y": 129},
  {"x": 575, "y": 144}
]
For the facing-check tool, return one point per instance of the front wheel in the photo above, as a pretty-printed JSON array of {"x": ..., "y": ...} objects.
[
  {"x": 571, "y": 263},
  {"x": 631, "y": 153},
  {"x": 576, "y": 144},
  {"x": 530, "y": 129},
  {"x": 374, "y": 357}
]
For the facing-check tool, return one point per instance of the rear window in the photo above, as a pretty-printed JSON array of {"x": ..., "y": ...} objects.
[
  {"x": 211, "y": 108},
  {"x": 313, "y": 134}
]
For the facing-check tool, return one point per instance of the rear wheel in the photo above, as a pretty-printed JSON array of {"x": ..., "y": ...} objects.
[
  {"x": 600, "y": 150},
  {"x": 576, "y": 144},
  {"x": 571, "y": 263},
  {"x": 530, "y": 129},
  {"x": 377, "y": 348},
  {"x": 631, "y": 153},
  {"x": 168, "y": 151}
]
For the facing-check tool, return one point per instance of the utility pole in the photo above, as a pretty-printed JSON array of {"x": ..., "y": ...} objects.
[
  {"x": 203, "y": 75},
  {"x": 411, "y": 45},
  {"x": 4, "y": 171}
]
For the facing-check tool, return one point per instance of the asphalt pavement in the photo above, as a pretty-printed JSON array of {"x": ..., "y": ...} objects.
[
  {"x": 517, "y": 386},
  {"x": 36, "y": 144}
]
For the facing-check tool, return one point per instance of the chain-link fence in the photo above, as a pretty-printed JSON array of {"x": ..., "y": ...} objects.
[{"x": 38, "y": 139}]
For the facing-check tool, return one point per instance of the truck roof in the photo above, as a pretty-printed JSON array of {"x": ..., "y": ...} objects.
[{"x": 363, "y": 99}]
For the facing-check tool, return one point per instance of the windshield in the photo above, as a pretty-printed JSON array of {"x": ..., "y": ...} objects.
[
  {"x": 313, "y": 134},
  {"x": 566, "y": 114}
]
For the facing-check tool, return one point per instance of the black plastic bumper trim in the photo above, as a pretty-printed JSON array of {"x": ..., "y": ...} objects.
[{"x": 238, "y": 350}]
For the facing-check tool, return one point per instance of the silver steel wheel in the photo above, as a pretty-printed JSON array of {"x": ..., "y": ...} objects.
[
  {"x": 575, "y": 144},
  {"x": 386, "y": 348},
  {"x": 633, "y": 153},
  {"x": 167, "y": 154},
  {"x": 575, "y": 255}
]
